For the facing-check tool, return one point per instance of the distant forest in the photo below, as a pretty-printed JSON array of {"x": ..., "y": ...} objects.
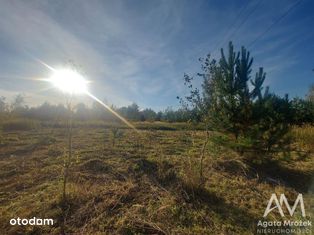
[
  {"x": 302, "y": 111},
  {"x": 82, "y": 112}
]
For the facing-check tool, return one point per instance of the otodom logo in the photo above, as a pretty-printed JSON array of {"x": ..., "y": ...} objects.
[{"x": 284, "y": 202}]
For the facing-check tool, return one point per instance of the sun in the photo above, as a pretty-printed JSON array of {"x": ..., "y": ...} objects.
[{"x": 69, "y": 81}]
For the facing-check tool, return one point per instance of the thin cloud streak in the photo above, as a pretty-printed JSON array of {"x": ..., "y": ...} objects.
[{"x": 137, "y": 52}]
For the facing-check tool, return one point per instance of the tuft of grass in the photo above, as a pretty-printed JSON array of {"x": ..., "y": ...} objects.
[
  {"x": 304, "y": 137},
  {"x": 94, "y": 166}
]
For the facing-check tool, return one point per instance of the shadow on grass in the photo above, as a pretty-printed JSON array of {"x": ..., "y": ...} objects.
[
  {"x": 162, "y": 172},
  {"x": 198, "y": 197},
  {"x": 227, "y": 212},
  {"x": 276, "y": 173}
]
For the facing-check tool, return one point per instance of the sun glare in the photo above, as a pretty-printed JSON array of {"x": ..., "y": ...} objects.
[{"x": 69, "y": 81}]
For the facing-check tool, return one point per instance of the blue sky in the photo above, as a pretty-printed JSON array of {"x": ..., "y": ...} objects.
[{"x": 137, "y": 51}]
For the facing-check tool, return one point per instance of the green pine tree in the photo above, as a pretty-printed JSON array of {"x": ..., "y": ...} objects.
[{"x": 249, "y": 117}]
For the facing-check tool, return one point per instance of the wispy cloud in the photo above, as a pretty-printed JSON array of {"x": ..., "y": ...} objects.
[{"x": 139, "y": 50}]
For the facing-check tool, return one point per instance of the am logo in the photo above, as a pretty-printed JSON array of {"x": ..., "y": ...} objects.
[{"x": 284, "y": 202}]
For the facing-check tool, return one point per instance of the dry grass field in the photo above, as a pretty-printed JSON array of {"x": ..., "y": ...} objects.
[{"x": 142, "y": 183}]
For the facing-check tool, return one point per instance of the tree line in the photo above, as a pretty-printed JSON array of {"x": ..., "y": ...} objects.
[{"x": 83, "y": 112}]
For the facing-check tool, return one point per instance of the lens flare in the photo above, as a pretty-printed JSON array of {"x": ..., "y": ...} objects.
[
  {"x": 69, "y": 81},
  {"x": 112, "y": 111}
]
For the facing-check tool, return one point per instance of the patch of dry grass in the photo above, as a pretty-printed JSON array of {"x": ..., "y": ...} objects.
[{"x": 146, "y": 184}]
